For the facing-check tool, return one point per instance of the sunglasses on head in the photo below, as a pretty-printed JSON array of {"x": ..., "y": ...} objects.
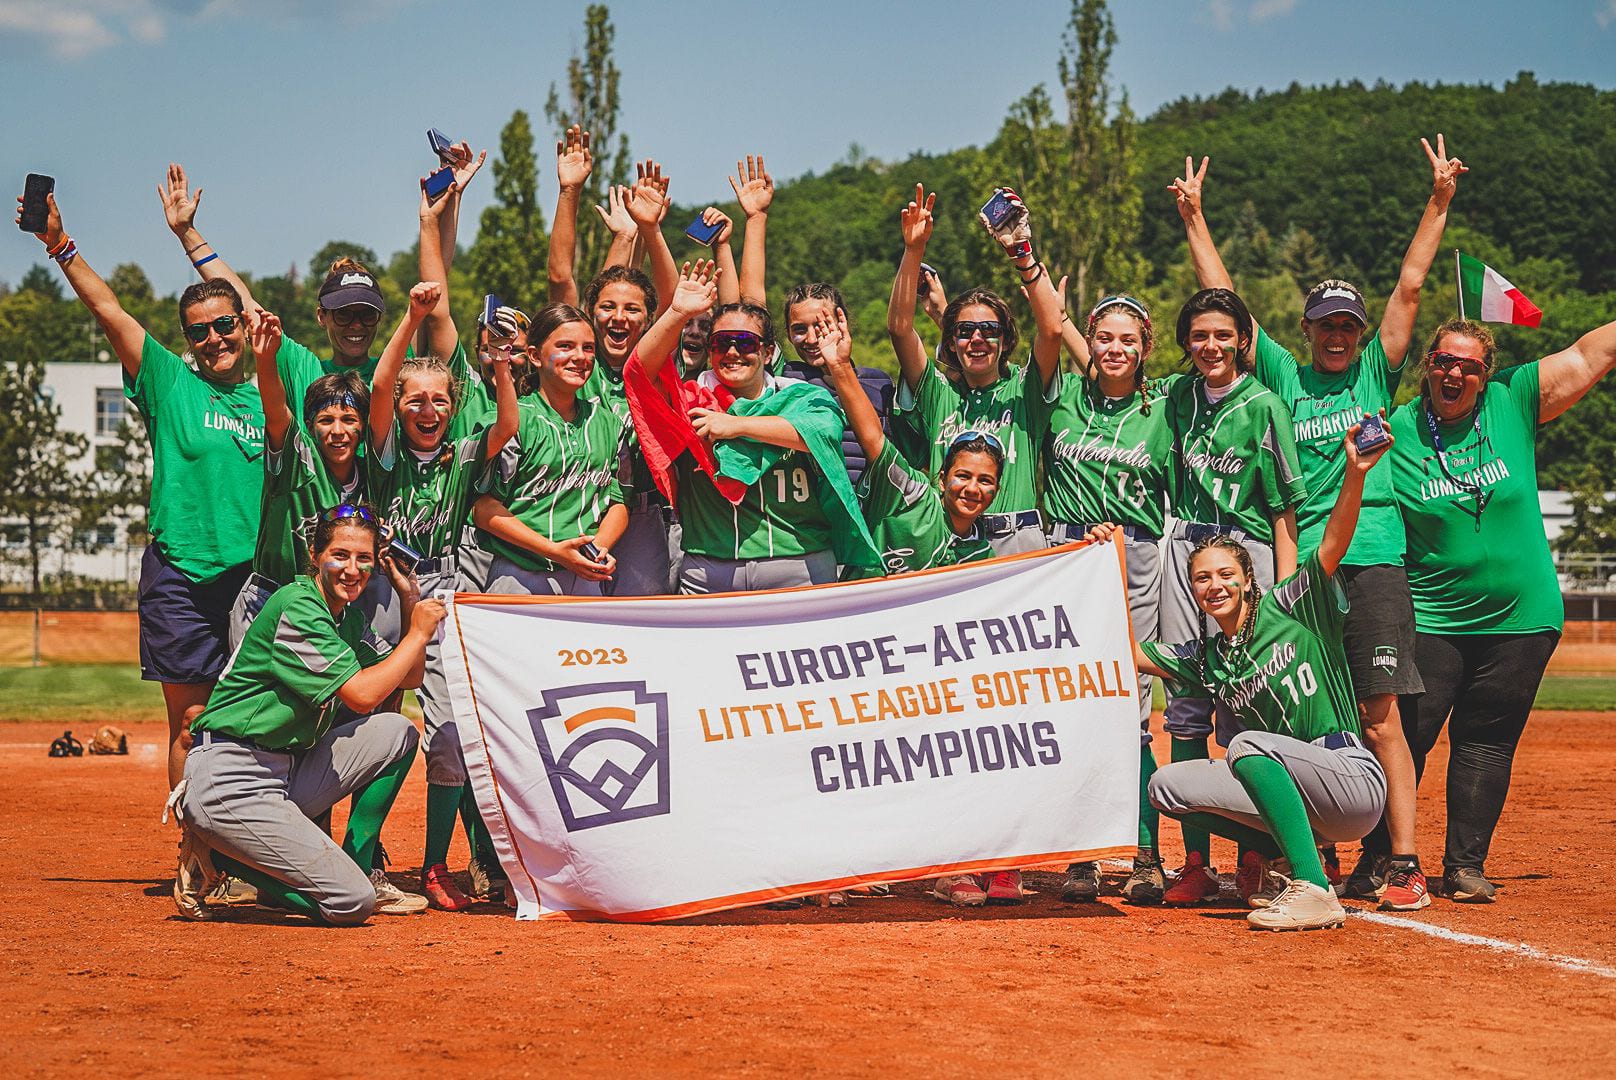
[
  {"x": 1441, "y": 361},
  {"x": 196, "y": 333},
  {"x": 344, "y": 511},
  {"x": 364, "y": 316},
  {"x": 742, "y": 341},
  {"x": 991, "y": 329},
  {"x": 972, "y": 435}
]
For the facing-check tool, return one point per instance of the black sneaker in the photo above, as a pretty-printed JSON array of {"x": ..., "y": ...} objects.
[
  {"x": 1082, "y": 883},
  {"x": 1465, "y": 885},
  {"x": 1367, "y": 880}
]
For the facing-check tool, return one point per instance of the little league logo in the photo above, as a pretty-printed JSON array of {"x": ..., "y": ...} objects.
[{"x": 605, "y": 750}]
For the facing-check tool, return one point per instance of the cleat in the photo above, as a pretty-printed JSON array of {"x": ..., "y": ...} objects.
[
  {"x": 1276, "y": 874},
  {"x": 1004, "y": 887},
  {"x": 1302, "y": 905},
  {"x": 231, "y": 892},
  {"x": 195, "y": 877},
  {"x": 1082, "y": 884},
  {"x": 1248, "y": 876},
  {"x": 961, "y": 890},
  {"x": 441, "y": 891},
  {"x": 1406, "y": 889},
  {"x": 1332, "y": 864},
  {"x": 1146, "y": 884},
  {"x": 392, "y": 900},
  {"x": 1197, "y": 883}
]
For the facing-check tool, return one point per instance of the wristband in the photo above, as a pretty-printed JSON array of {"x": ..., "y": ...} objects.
[
  {"x": 66, "y": 252},
  {"x": 1019, "y": 251},
  {"x": 204, "y": 260},
  {"x": 194, "y": 250},
  {"x": 66, "y": 242}
]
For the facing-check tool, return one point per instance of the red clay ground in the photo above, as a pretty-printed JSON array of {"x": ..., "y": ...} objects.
[{"x": 100, "y": 974}]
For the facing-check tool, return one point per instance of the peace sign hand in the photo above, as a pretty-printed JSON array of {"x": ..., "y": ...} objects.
[
  {"x": 916, "y": 218},
  {"x": 179, "y": 202},
  {"x": 1187, "y": 189},
  {"x": 1445, "y": 171}
]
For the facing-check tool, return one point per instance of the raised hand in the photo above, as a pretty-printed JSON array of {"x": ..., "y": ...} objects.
[
  {"x": 713, "y": 216},
  {"x": 916, "y": 218},
  {"x": 1361, "y": 462},
  {"x": 465, "y": 166},
  {"x": 432, "y": 209},
  {"x": 753, "y": 186},
  {"x": 424, "y": 297},
  {"x": 697, "y": 290},
  {"x": 266, "y": 335},
  {"x": 615, "y": 213},
  {"x": 403, "y": 581},
  {"x": 649, "y": 200},
  {"x": 1014, "y": 233},
  {"x": 1445, "y": 171},
  {"x": 179, "y": 202},
  {"x": 574, "y": 162},
  {"x": 53, "y": 233},
  {"x": 835, "y": 341},
  {"x": 1187, "y": 189}
]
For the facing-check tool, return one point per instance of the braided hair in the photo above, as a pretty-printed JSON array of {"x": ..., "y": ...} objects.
[{"x": 1248, "y": 619}]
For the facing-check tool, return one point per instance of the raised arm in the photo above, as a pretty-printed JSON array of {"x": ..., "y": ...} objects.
[
  {"x": 1014, "y": 235},
  {"x": 266, "y": 342},
  {"x": 1209, "y": 268},
  {"x": 179, "y": 207},
  {"x": 695, "y": 292},
  {"x": 574, "y": 163},
  {"x": 126, "y": 335},
  {"x": 625, "y": 235},
  {"x": 836, "y": 348},
  {"x": 1285, "y": 544},
  {"x": 916, "y": 222},
  {"x": 729, "y": 284},
  {"x": 754, "y": 190},
  {"x": 1563, "y": 377},
  {"x": 506, "y": 417},
  {"x": 439, "y": 326},
  {"x": 423, "y": 298},
  {"x": 648, "y": 205},
  {"x": 1344, "y": 517},
  {"x": 1397, "y": 325}
]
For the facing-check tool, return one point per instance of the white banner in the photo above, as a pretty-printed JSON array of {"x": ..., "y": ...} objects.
[{"x": 653, "y": 758}]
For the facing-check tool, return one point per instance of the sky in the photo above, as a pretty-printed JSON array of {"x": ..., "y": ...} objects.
[{"x": 304, "y": 126}]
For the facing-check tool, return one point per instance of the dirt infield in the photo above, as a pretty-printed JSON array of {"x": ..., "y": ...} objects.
[{"x": 102, "y": 975}]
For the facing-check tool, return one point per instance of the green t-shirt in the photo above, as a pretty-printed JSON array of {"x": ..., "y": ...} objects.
[
  {"x": 297, "y": 489},
  {"x": 1236, "y": 466},
  {"x": 1473, "y": 570},
  {"x": 1108, "y": 460},
  {"x": 906, "y": 516},
  {"x": 427, "y": 503},
  {"x": 280, "y": 687},
  {"x": 299, "y": 367},
  {"x": 565, "y": 475},
  {"x": 1324, "y": 407},
  {"x": 206, "y": 439},
  {"x": 1292, "y": 676},
  {"x": 1016, "y": 409}
]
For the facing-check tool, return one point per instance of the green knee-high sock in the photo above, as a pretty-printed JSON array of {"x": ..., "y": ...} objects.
[
  {"x": 1244, "y": 835},
  {"x": 1149, "y": 816},
  {"x": 471, "y": 819},
  {"x": 442, "y": 805},
  {"x": 1196, "y": 838},
  {"x": 271, "y": 889},
  {"x": 369, "y": 810},
  {"x": 1280, "y": 805}
]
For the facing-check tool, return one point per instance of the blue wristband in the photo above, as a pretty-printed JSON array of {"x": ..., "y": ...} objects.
[{"x": 204, "y": 260}]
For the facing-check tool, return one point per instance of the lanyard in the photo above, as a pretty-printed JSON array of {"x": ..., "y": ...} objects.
[{"x": 1469, "y": 486}]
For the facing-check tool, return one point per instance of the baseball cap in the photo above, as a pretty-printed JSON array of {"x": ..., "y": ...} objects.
[
  {"x": 343, "y": 288},
  {"x": 1334, "y": 298}
]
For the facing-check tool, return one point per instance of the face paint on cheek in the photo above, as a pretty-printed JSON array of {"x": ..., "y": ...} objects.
[{"x": 1131, "y": 353}]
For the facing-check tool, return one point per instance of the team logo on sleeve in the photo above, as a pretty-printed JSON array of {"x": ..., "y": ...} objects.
[
  {"x": 1385, "y": 657},
  {"x": 605, "y": 751}
]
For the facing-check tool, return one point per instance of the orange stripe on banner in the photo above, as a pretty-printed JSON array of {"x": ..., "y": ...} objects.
[
  {"x": 791, "y": 892},
  {"x": 605, "y": 712}
]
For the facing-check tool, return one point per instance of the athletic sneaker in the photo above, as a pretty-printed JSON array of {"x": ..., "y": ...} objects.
[
  {"x": 1332, "y": 864},
  {"x": 392, "y": 900},
  {"x": 1367, "y": 880},
  {"x": 1197, "y": 883},
  {"x": 961, "y": 890},
  {"x": 1406, "y": 889},
  {"x": 1276, "y": 874},
  {"x": 1301, "y": 906},
  {"x": 834, "y": 898},
  {"x": 441, "y": 891},
  {"x": 1248, "y": 876},
  {"x": 232, "y": 891},
  {"x": 195, "y": 877},
  {"x": 863, "y": 891},
  {"x": 1004, "y": 887},
  {"x": 1466, "y": 885},
  {"x": 1082, "y": 883},
  {"x": 1147, "y": 883},
  {"x": 487, "y": 879}
]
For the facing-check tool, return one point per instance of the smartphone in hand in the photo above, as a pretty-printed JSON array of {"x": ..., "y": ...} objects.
[{"x": 35, "y": 210}]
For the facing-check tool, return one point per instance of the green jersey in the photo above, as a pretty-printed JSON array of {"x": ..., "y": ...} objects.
[
  {"x": 280, "y": 686},
  {"x": 1109, "y": 459},
  {"x": 1478, "y": 561},
  {"x": 1236, "y": 465},
  {"x": 426, "y": 499},
  {"x": 299, "y": 367},
  {"x": 297, "y": 489},
  {"x": 634, "y": 475},
  {"x": 1324, "y": 407},
  {"x": 1015, "y": 408},
  {"x": 206, "y": 439},
  {"x": 565, "y": 476},
  {"x": 1291, "y": 677},
  {"x": 906, "y": 515}
]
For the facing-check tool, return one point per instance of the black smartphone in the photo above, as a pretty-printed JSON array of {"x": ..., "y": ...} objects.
[
  {"x": 35, "y": 211},
  {"x": 441, "y": 145},
  {"x": 999, "y": 208},
  {"x": 703, "y": 233},
  {"x": 405, "y": 556},
  {"x": 589, "y": 551},
  {"x": 1372, "y": 435},
  {"x": 923, "y": 287},
  {"x": 438, "y": 183}
]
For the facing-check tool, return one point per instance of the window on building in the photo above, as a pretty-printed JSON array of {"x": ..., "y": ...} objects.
[{"x": 109, "y": 411}]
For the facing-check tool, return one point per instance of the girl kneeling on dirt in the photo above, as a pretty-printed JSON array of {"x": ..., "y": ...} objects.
[{"x": 1297, "y": 773}]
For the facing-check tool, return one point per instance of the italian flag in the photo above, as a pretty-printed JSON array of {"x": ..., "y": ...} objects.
[{"x": 1487, "y": 295}]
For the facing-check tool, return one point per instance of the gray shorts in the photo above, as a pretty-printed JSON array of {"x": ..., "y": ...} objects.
[
  {"x": 255, "y": 593},
  {"x": 472, "y": 561},
  {"x": 1343, "y": 788},
  {"x": 258, "y": 806},
  {"x": 1019, "y": 541},
  {"x": 505, "y": 578},
  {"x": 642, "y": 554},
  {"x": 703, "y": 574}
]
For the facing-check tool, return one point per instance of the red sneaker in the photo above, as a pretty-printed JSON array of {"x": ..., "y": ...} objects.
[
  {"x": 1332, "y": 865},
  {"x": 1406, "y": 889},
  {"x": 441, "y": 891},
  {"x": 1004, "y": 887},
  {"x": 1197, "y": 883},
  {"x": 1248, "y": 877}
]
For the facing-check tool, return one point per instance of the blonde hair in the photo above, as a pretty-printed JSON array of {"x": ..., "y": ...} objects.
[{"x": 427, "y": 365}]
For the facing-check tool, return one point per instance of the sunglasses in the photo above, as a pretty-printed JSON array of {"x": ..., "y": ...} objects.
[
  {"x": 742, "y": 341},
  {"x": 972, "y": 435},
  {"x": 196, "y": 333},
  {"x": 990, "y": 329},
  {"x": 344, "y": 511},
  {"x": 364, "y": 316},
  {"x": 1443, "y": 362}
]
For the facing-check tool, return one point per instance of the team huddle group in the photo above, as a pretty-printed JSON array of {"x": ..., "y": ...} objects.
[{"x": 1320, "y": 594}]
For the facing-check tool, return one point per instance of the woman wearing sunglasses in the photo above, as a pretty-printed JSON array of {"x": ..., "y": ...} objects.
[
  {"x": 1487, "y": 608},
  {"x": 425, "y": 481},
  {"x": 979, "y": 337},
  {"x": 272, "y": 753},
  {"x": 206, "y": 425}
]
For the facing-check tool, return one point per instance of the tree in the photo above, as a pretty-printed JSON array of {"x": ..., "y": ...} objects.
[
  {"x": 42, "y": 280},
  {"x": 320, "y": 265},
  {"x": 510, "y": 253},
  {"x": 36, "y": 458},
  {"x": 592, "y": 103},
  {"x": 120, "y": 483}
]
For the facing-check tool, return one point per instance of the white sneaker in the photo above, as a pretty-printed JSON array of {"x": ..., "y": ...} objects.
[
  {"x": 1302, "y": 906},
  {"x": 1276, "y": 875},
  {"x": 961, "y": 890},
  {"x": 392, "y": 900}
]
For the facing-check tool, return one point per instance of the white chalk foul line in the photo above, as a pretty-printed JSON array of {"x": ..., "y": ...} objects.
[{"x": 1518, "y": 948}]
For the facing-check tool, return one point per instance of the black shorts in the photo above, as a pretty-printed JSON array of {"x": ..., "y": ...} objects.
[
  {"x": 1380, "y": 631},
  {"x": 184, "y": 624}
]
